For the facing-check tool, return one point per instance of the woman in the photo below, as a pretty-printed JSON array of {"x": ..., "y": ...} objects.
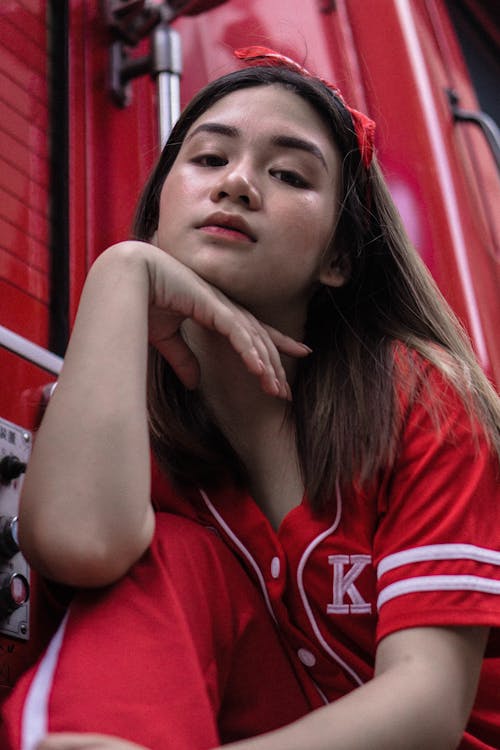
[{"x": 350, "y": 480}]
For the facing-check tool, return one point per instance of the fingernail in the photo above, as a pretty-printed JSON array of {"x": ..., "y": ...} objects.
[{"x": 307, "y": 348}]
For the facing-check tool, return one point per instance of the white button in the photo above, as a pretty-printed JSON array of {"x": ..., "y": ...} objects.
[
  {"x": 306, "y": 657},
  {"x": 275, "y": 567}
]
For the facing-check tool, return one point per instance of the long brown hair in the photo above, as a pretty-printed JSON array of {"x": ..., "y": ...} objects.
[{"x": 344, "y": 401}]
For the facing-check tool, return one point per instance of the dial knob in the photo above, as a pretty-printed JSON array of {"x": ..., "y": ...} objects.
[
  {"x": 9, "y": 543},
  {"x": 14, "y": 592},
  {"x": 11, "y": 467}
]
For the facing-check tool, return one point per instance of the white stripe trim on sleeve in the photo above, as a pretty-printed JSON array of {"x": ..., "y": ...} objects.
[
  {"x": 438, "y": 552},
  {"x": 34, "y": 722},
  {"x": 437, "y": 583}
]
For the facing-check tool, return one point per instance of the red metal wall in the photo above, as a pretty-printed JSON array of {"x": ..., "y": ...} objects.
[{"x": 24, "y": 169}]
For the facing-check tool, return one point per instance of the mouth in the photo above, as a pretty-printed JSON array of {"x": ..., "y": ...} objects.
[{"x": 228, "y": 226}]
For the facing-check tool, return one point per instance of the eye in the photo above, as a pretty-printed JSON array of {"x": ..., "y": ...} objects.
[
  {"x": 294, "y": 179},
  {"x": 209, "y": 160}
]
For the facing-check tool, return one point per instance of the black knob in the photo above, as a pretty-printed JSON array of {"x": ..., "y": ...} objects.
[
  {"x": 9, "y": 544},
  {"x": 11, "y": 467},
  {"x": 14, "y": 592}
]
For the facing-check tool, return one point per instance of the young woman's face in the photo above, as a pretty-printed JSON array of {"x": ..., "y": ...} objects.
[{"x": 250, "y": 202}]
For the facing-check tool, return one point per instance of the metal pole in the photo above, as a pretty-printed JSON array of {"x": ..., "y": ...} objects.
[
  {"x": 166, "y": 67},
  {"x": 30, "y": 351}
]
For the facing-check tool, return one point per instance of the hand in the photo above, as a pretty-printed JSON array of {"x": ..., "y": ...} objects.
[
  {"x": 80, "y": 741},
  {"x": 178, "y": 293}
]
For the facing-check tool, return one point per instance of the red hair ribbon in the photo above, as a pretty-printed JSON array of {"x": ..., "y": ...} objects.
[{"x": 364, "y": 127}]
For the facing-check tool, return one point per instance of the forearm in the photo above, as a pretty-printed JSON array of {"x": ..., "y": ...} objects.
[
  {"x": 85, "y": 510},
  {"x": 373, "y": 717},
  {"x": 403, "y": 707}
]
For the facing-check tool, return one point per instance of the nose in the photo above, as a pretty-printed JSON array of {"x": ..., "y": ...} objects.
[{"x": 237, "y": 185}]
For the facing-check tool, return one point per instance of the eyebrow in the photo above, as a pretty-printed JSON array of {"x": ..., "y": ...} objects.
[
  {"x": 282, "y": 141},
  {"x": 290, "y": 141}
]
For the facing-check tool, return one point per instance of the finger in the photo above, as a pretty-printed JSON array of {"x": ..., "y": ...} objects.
[
  {"x": 273, "y": 377},
  {"x": 286, "y": 344},
  {"x": 256, "y": 344},
  {"x": 277, "y": 344},
  {"x": 84, "y": 741},
  {"x": 253, "y": 344},
  {"x": 71, "y": 742},
  {"x": 276, "y": 361}
]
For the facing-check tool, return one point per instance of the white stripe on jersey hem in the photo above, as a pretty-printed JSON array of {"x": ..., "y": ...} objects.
[
  {"x": 438, "y": 552},
  {"x": 34, "y": 722},
  {"x": 305, "y": 601},
  {"x": 437, "y": 583}
]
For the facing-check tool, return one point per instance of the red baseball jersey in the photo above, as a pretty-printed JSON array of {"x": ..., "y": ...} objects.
[{"x": 420, "y": 546}]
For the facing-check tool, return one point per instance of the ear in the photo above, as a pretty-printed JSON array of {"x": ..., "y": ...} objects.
[{"x": 332, "y": 273}]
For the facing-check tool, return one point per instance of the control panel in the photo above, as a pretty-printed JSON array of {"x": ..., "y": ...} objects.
[{"x": 15, "y": 449}]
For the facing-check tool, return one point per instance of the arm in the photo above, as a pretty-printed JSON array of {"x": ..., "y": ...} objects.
[
  {"x": 420, "y": 697},
  {"x": 85, "y": 510}
]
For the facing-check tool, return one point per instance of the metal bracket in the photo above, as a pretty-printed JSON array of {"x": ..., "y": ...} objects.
[{"x": 130, "y": 21}]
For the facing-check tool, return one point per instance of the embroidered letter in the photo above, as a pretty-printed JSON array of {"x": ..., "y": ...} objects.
[{"x": 343, "y": 583}]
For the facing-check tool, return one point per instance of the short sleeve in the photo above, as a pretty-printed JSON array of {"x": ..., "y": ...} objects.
[{"x": 437, "y": 543}]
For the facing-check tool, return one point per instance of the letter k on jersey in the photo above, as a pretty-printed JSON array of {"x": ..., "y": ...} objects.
[{"x": 343, "y": 584}]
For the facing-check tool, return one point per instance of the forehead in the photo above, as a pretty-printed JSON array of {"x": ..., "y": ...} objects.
[{"x": 261, "y": 109}]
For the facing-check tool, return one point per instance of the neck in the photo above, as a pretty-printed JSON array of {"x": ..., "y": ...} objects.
[
  {"x": 258, "y": 426},
  {"x": 232, "y": 393}
]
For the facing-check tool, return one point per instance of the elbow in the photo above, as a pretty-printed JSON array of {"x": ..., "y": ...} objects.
[{"x": 81, "y": 562}]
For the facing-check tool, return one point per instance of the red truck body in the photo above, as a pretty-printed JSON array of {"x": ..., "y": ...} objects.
[{"x": 72, "y": 163}]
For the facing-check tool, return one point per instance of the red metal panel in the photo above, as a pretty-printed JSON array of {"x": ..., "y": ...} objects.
[
  {"x": 27, "y": 191},
  {"x": 21, "y": 245},
  {"x": 14, "y": 66},
  {"x": 33, "y": 283},
  {"x": 18, "y": 155},
  {"x": 111, "y": 150},
  {"x": 36, "y": 7},
  {"x": 431, "y": 169},
  {"x": 23, "y": 34},
  {"x": 24, "y": 171},
  {"x": 24, "y": 283},
  {"x": 297, "y": 27}
]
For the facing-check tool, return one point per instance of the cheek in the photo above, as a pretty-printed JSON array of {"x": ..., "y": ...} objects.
[
  {"x": 176, "y": 200},
  {"x": 311, "y": 223},
  {"x": 182, "y": 183}
]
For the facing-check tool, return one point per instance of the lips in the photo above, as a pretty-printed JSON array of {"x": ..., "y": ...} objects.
[{"x": 227, "y": 225}]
